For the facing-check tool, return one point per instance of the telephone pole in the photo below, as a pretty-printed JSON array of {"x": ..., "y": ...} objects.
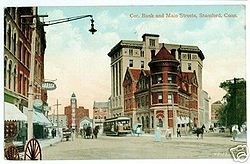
[{"x": 57, "y": 116}]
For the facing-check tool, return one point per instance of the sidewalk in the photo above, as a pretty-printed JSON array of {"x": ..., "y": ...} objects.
[{"x": 50, "y": 141}]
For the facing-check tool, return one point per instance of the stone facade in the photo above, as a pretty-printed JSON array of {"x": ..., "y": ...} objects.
[{"x": 137, "y": 55}]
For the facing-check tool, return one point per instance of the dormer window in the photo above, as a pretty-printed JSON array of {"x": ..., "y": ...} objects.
[{"x": 151, "y": 42}]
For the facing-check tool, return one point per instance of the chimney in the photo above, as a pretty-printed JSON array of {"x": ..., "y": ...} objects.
[{"x": 152, "y": 54}]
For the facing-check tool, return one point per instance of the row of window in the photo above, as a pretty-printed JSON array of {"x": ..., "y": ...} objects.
[
  {"x": 131, "y": 64},
  {"x": 160, "y": 98},
  {"x": 100, "y": 117},
  {"x": 158, "y": 78}
]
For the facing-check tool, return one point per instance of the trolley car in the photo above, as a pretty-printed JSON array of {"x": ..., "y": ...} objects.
[{"x": 117, "y": 126}]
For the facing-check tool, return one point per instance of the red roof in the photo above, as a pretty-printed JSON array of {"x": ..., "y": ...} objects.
[
  {"x": 135, "y": 74},
  {"x": 163, "y": 54}
]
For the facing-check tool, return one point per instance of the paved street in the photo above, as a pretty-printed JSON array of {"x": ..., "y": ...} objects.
[{"x": 143, "y": 147}]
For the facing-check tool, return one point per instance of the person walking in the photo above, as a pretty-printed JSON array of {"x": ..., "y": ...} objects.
[
  {"x": 23, "y": 134},
  {"x": 158, "y": 134},
  {"x": 168, "y": 133},
  {"x": 178, "y": 132}
]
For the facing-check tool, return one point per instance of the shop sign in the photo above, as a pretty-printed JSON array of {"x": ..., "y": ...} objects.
[{"x": 48, "y": 85}]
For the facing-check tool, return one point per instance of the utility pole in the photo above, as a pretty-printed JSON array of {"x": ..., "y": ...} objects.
[{"x": 57, "y": 116}]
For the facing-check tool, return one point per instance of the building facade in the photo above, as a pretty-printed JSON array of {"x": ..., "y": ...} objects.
[
  {"x": 17, "y": 57},
  {"x": 100, "y": 114},
  {"x": 75, "y": 114},
  {"x": 215, "y": 108},
  {"x": 62, "y": 120},
  {"x": 137, "y": 55},
  {"x": 163, "y": 96}
]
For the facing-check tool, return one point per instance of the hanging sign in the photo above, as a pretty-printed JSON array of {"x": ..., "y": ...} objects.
[{"x": 48, "y": 85}]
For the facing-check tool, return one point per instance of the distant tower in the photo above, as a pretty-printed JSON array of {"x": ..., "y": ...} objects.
[{"x": 73, "y": 103}]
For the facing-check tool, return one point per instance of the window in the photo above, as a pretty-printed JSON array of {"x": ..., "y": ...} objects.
[
  {"x": 170, "y": 98},
  {"x": 160, "y": 98},
  {"x": 9, "y": 37},
  {"x": 15, "y": 44},
  {"x": 160, "y": 123},
  {"x": 142, "y": 64},
  {"x": 152, "y": 42},
  {"x": 170, "y": 78},
  {"x": 20, "y": 83},
  {"x": 189, "y": 66},
  {"x": 142, "y": 53},
  {"x": 189, "y": 56},
  {"x": 5, "y": 27},
  {"x": 142, "y": 101},
  {"x": 159, "y": 78},
  {"x": 131, "y": 52},
  {"x": 14, "y": 85},
  {"x": 146, "y": 100},
  {"x": 5, "y": 70},
  {"x": 10, "y": 68},
  {"x": 130, "y": 63}
]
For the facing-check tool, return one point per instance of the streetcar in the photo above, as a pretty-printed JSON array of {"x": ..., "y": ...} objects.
[{"x": 117, "y": 126}]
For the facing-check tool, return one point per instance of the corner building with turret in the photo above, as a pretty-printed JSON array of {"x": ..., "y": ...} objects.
[{"x": 138, "y": 55}]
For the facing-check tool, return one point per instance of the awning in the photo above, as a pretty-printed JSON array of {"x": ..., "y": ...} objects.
[
  {"x": 41, "y": 119},
  {"x": 183, "y": 120},
  {"x": 11, "y": 112},
  {"x": 38, "y": 117}
]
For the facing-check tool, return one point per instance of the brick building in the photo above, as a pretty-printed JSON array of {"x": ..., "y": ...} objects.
[
  {"x": 17, "y": 60},
  {"x": 136, "y": 54},
  {"x": 164, "y": 96},
  {"x": 215, "y": 107},
  {"x": 75, "y": 114},
  {"x": 100, "y": 113}
]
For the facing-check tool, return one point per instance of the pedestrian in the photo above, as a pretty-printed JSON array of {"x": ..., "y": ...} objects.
[
  {"x": 168, "y": 134},
  {"x": 138, "y": 130},
  {"x": 23, "y": 133},
  {"x": 178, "y": 132},
  {"x": 158, "y": 134},
  {"x": 53, "y": 133}
]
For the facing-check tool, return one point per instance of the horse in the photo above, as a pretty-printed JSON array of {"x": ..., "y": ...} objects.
[
  {"x": 200, "y": 131},
  {"x": 96, "y": 131},
  {"x": 88, "y": 132}
]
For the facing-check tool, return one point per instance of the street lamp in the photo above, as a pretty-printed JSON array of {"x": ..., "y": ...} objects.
[{"x": 33, "y": 25}]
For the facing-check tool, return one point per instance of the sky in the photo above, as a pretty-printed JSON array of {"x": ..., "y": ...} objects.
[{"x": 78, "y": 60}]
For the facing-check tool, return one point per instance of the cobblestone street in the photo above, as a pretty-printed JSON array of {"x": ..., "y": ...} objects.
[{"x": 143, "y": 147}]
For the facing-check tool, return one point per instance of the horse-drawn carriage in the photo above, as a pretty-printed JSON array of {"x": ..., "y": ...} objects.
[
  {"x": 87, "y": 132},
  {"x": 32, "y": 150},
  {"x": 67, "y": 134}
]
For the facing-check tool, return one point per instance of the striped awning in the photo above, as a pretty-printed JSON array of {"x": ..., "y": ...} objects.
[
  {"x": 12, "y": 113},
  {"x": 38, "y": 117}
]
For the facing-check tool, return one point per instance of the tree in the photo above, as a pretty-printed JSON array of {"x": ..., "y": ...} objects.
[{"x": 233, "y": 110}]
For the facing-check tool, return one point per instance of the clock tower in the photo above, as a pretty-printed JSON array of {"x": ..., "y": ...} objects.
[{"x": 73, "y": 103}]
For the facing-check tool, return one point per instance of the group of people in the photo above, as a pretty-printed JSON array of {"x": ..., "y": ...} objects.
[{"x": 168, "y": 134}]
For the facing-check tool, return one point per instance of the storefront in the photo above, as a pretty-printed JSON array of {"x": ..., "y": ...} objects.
[{"x": 40, "y": 123}]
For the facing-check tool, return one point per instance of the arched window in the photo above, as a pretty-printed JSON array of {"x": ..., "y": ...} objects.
[
  {"x": 5, "y": 70},
  {"x": 142, "y": 121},
  {"x": 10, "y": 68},
  {"x": 9, "y": 37},
  {"x": 147, "y": 121},
  {"x": 14, "y": 85},
  {"x": 5, "y": 28},
  {"x": 14, "y": 44},
  {"x": 160, "y": 123}
]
